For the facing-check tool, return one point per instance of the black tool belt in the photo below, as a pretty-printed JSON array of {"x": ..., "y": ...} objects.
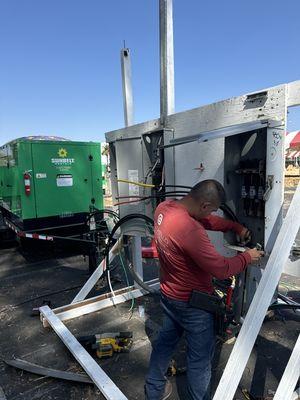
[
  {"x": 207, "y": 302},
  {"x": 216, "y": 306}
]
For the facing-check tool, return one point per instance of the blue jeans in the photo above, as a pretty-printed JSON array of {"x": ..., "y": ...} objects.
[{"x": 179, "y": 317}]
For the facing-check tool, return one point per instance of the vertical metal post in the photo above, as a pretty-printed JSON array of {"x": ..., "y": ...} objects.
[
  {"x": 127, "y": 86},
  {"x": 167, "y": 97},
  {"x": 137, "y": 256},
  {"x": 128, "y": 117}
]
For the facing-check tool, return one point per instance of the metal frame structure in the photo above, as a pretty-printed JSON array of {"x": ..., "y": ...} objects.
[{"x": 87, "y": 306}]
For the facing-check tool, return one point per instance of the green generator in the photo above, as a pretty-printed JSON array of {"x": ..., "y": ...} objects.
[{"x": 49, "y": 184}]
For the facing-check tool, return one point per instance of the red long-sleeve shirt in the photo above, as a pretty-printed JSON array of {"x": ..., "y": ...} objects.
[{"x": 188, "y": 259}]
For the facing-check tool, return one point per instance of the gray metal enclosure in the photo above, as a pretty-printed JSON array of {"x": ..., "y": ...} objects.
[{"x": 239, "y": 142}]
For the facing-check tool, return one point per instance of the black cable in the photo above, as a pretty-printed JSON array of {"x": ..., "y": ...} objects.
[
  {"x": 224, "y": 207},
  {"x": 138, "y": 280},
  {"x": 282, "y": 306},
  {"x": 46, "y": 295},
  {"x": 104, "y": 211},
  {"x": 122, "y": 221},
  {"x": 228, "y": 211},
  {"x": 158, "y": 195},
  {"x": 118, "y": 225},
  {"x": 108, "y": 210},
  {"x": 174, "y": 186}
]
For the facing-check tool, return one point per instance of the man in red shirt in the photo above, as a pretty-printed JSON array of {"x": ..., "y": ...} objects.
[{"x": 189, "y": 261}]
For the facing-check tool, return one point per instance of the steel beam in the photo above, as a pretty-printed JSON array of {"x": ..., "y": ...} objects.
[
  {"x": 137, "y": 257},
  {"x": 260, "y": 303},
  {"x": 127, "y": 86},
  {"x": 102, "y": 381}
]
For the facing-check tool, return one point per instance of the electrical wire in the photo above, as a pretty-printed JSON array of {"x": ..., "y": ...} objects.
[
  {"x": 151, "y": 197},
  {"x": 179, "y": 192},
  {"x": 110, "y": 285},
  {"x": 284, "y": 306},
  {"x": 136, "y": 183},
  {"x": 152, "y": 186},
  {"x": 98, "y": 212},
  {"x": 224, "y": 207},
  {"x": 149, "y": 223},
  {"x": 105, "y": 211},
  {"x": 127, "y": 280},
  {"x": 150, "y": 171},
  {"x": 227, "y": 210},
  {"x": 178, "y": 186}
]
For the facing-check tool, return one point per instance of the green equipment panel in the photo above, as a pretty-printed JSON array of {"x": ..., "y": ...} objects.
[{"x": 65, "y": 178}]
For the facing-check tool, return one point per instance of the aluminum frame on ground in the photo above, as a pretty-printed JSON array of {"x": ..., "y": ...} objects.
[
  {"x": 102, "y": 381},
  {"x": 98, "y": 303}
]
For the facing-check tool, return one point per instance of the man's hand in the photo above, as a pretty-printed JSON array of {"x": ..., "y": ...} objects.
[
  {"x": 245, "y": 236},
  {"x": 255, "y": 254}
]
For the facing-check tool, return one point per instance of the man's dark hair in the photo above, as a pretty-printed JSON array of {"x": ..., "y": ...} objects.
[{"x": 208, "y": 190}]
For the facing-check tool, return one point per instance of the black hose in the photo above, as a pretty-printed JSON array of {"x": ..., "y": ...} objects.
[
  {"x": 283, "y": 306},
  {"x": 228, "y": 211},
  {"x": 104, "y": 211},
  {"x": 123, "y": 220},
  {"x": 107, "y": 210},
  {"x": 126, "y": 219},
  {"x": 138, "y": 279},
  {"x": 157, "y": 195},
  {"x": 174, "y": 186}
]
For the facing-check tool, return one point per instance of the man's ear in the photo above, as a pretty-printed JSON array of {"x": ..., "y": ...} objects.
[{"x": 205, "y": 205}]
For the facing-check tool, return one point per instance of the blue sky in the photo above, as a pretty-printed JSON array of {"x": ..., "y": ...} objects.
[{"x": 60, "y": 59}]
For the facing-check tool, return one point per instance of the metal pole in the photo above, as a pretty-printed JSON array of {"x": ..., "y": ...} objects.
[
  {"x": 167, "y": 97},
  {"x": 127, "y": 86},
  {"x": 128, "y": 117}
]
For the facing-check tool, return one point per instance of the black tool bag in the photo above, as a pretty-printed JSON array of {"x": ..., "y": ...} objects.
[
  {"x": 207, "y": 302},
  {"x": 213, "y": 304}
]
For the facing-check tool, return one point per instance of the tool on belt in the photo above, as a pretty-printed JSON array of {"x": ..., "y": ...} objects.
[
  {"x": 106, "y": 344},
  {"x": 173, "y": 369},
  {"x": 219, "y": 306}
]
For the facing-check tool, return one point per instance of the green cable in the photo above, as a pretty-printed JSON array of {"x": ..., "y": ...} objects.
[{"x": 126, "y": 277}]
